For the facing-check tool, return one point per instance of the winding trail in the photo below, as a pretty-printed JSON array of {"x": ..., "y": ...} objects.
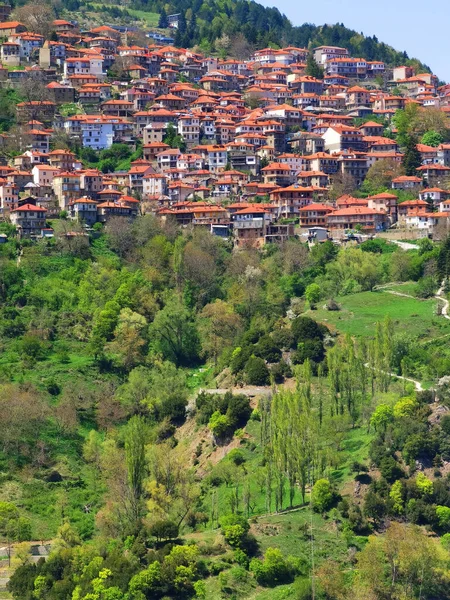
[
  {"x": 445, "y": 310},
  {"x": 440, "y": 296},
  {"x": 417, "y": 384}
]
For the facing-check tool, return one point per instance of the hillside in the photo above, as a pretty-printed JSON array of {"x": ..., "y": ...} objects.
[
  {"x": 262, "y": 492},
  {"x": 203, "y": 23}
]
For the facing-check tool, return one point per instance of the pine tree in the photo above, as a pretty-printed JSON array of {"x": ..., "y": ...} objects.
[
  {"x": 312, "y": 68},
  {"x": 163, "y": 22},
  {"x": 412, "y": 158}
]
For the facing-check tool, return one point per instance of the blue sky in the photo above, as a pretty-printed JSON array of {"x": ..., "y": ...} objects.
[{"x": 420, "y": 28}]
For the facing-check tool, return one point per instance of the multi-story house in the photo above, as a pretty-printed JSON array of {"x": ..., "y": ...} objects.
[
  {"x": 189, "y": 129},
  {"x": 83, "y": 210},
  {"x": 29, "y": 220},
  {"x": 66, "y": 187}
]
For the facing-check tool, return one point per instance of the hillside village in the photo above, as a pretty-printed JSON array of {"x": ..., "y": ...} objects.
[
  {"x": 224, "y": 307},
  {"x": 250, "y": 149}
]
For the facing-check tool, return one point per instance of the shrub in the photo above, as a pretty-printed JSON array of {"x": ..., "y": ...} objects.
[
  {"x": 312, "y": 294},
  {"x": 280, "y": 371},
  {"x": 164, "y": 530},
  {"x": 305, "y": 328},
  {"x": 426, "y": 287},
  {"x": 390, "y": 469},
  {"x": 423, "y": 484},
  {"x": 238, "y": 410},
  {"x": 239, "y": 358},
  {"x": 283, "y": 338},
  {"x": 219, "y": 425},
  {"x": 237, "y": 457},
  {"x": 267, "y": 349},
  {"x": 273, "y": 570},
  {"x": 443, "y": 514},
  {"x": 312, "y": 350},
  {"x": 322, "y": 495},
  {"x": 256, "y": 372}
]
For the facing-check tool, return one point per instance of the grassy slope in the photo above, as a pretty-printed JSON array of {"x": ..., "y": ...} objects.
[
  {"x": 149, "y": 19},
  {"x": 360, "y": 312}
]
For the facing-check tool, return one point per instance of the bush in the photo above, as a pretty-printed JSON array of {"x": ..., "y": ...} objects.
[
  {"x": 283, "y": 338},
  {"x": 273, "y": 570},
  {"x": 164, "y": 530},
  {"x": 443, "y": 514},
  {"x": 239, "y": 358},
  {"x": 267, "y": 349},
  {"x": 312, "y": 350},
  {"x": 256, "y": 372},
  {"x": 305, "y": 328},
  {"x": 426, "y": 287},
  {"x": 390, "y": 469},
  {"x": 322, "y": 495},
  {"x": 238, "y": 410},
  {"x": 237, "y": 457},
  {"x": 280, "y": 371},
  {"x": 219, "y": 425}
]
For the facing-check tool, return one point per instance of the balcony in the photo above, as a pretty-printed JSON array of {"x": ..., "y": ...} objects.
[{"x": 250, "y": 224}]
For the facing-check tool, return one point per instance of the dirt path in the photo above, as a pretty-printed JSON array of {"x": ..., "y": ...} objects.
[
  {"x": 394, "y": 293},
  {"x": 405, "y": 245},
  {"x": 416, "y": 383},
  {"x": 440, "y": 296}
]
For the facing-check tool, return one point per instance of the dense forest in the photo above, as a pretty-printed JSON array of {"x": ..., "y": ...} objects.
[
  {"x": 204, "y": 23},
  {"x": 183, "y": 420}
]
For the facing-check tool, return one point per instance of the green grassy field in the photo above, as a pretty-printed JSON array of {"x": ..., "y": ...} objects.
[
  {"x": 409, "y": 287},
  {"x": 149, "y": 18},
  {"x": 360, "y": 312}
]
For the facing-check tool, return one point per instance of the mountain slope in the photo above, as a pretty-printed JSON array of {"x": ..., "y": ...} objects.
[{"x": 203, "y": 22}]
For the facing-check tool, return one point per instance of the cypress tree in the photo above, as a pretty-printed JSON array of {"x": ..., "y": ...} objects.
[
  {"x": 163, "y": 22},
  {"x": 412, "y": 158}
]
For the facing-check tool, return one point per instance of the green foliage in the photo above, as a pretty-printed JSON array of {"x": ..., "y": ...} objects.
[
  {"x": 443, "y": 514},
  {"x": 256, "y": 371},
  {"x": 412, "y": 158},
  {"x": 432, "y": 138},
  {"x": 322, "y": 495},
  {"x": 164, "y": 530},
  {"x": 424, "y": 485},
  {"x": 273, "y": 570},
  {"x": 313, "y": 69},
  {"x": 381, "y": 417},
  {"x": 219, "y": 424}
]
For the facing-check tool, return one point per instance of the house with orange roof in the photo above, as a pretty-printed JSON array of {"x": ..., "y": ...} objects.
[
  {"x": 290, "y": 200},
  {"x": 66, "y": 187},
  {"x": 357, "y": 96},
  {"x": 154, "y": 185},
  {"x": 108, "y": 210},
  {"x": 371, "y": 128},
  {"x": 384, "y": 202},
  {"x": 249, "y": 226},
  {"x": 314, "y": 215},
  {"x": 343, "y": 137},
  {"x": 215, "y": 156},
  {"x": 425, "y": 221},
  {"x": 10, "y": 28},
  {"x": 406, "y": 182},
  {"x": 435, "y": 175},
  {"x": 83, "y": 210},
  {"x": 434, "y": 194},
  {"x": 29, "y": 220},
  {"x": 368, "y": 219},
  {"x": 412, "y": 206},
  {"x": 279, "y": 174},
  {"x": 313, "y": 178}
]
